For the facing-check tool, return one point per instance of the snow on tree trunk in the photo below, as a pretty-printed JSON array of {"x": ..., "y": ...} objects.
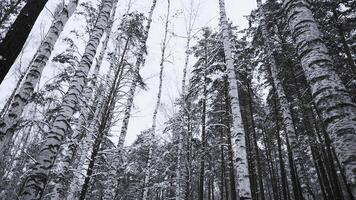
[
  {"x": 238, "y": 135},
  {"x": 36, "y": 180},
  {"x": 10, "y": 121},
  {"x": 158, "y": 102},
  {"x": 80, "y": 132},
  {"x": 329, "y": 94},
  {"x": 86, "y": 150},
  {"x": 285, "y": 106},
  {"x": 90, "y": 91},
  {"x": 11, "y": 97},
  {"x": 140, "y": 62},
  {"x": 110, "y": 184},
  {"x": 288, "y": 126},
  {"x": 178, "y": 170},
  {"x": 191, "y": 21},
  {"x": 4, "y": 17},
  {"x": 186, "y": 60},
  {"x": 104, "y": 120}
]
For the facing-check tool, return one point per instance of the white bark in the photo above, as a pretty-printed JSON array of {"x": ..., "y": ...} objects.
[
  {"x": 36, "y": 180},
  {"x": 158, "y": 102},
  {"x": 9, "y": 123},
  {"x": 284, "y": 103},
  {"x": 11, "y": 98},
  {"x": 329, "y": 94},
  {"x": 77, "y": 181},
  {"x": 238, "y": 134},
  {"x": 140, "y": 62},
  {"x": 190, "y": 24}
]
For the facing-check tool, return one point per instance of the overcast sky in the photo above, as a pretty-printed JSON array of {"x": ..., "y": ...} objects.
[{"x": 208, "y": 15}]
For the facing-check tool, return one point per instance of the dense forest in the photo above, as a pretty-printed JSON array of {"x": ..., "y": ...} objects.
[{"x": 264, "y": 112}]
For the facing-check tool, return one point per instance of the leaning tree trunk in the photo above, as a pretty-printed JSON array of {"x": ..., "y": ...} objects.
[
  {"x": 76, "y": 183},
  {"x": 105, "y": 119},
  {"x": 10, "y": 121},
  {"x": 158, "y": 102},
  {"x": 330, "y": 95},
  {"x": 239, "y": 144},
  {"x": 65, "y": 177},
  {"x": 15, "y": 38},
  {"x": 140, "y": 62},
  {"x": 9, "y": 101},
  {"x": 36, "y": 180},
  {"x": 285, "y": 108}
]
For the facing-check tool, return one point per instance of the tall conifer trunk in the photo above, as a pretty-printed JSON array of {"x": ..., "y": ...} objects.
[
  {"x": 203, "y": 127},
  {"x": 257, "y": 151},
  {"x": 284, "y": 181}
]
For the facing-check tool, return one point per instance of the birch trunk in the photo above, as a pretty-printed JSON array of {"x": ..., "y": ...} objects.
[
  {"x": 191, "y": 22},
  {"x": 105, "y": 119},
  {"x": 10, "y": 121},
  {"x": 329, "y": 94},
  {"x": 158, "y": 102},
  {"x": 36, "y": 180},
  {"x": 9, "y": 101},
  {"x": 230, "y": 177},
  {"x": 239, "y": 144},
  {"x": 86, "y": 150},
  {"x": 139, "y": 62},
  {"x": 285, "y": 107},
  {"x": 289, "y": 130},
  {"x": 66, "y": 176}
]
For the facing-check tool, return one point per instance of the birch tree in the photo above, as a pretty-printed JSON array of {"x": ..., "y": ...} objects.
[
  {"x": 190, "y": 20},
  {"x": 329, "y": 94},
  {"x": 158, "y": 102},
  {"x": 139, "y": 63},
  {"x": 10, "y": 121},
  {"x": 36, "y": 180},
  {"x": 239, "y": 145},
  {"x": 65, "y": 176},
  {"x": 295, "y": 165}
]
